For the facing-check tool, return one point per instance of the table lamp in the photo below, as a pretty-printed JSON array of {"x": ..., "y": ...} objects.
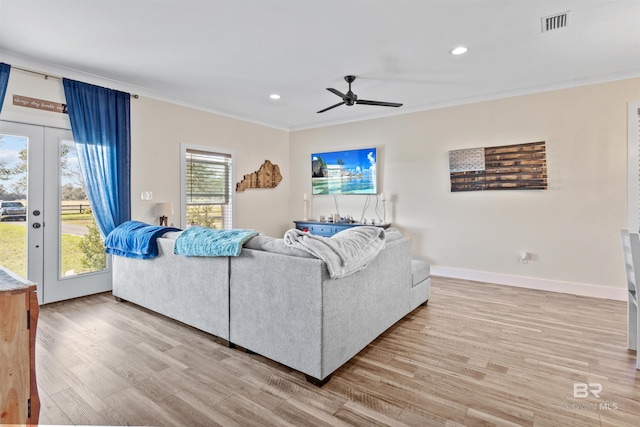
[{"x": 163, "y": 210}]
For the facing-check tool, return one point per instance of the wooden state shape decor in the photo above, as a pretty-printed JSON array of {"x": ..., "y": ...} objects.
[
  {"x": 509, "y": 167},
  {"x": 268, "y": 176}
]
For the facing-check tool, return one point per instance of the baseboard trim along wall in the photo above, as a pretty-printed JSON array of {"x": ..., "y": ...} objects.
[{"x": 583, "y": 289}]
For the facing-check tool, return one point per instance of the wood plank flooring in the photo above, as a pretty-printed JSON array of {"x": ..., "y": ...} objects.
[{"x": 478, "y": 354}]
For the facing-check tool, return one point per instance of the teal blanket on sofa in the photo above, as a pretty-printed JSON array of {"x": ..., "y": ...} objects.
[{"x": 205, "y": 241}]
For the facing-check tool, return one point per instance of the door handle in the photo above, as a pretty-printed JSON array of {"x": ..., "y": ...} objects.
[{"x": 36, "y": 225}]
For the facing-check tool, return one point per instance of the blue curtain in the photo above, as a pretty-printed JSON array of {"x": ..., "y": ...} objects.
[
  {"x": 5, "y": 69},
  {"x": 100, "y": 122}
]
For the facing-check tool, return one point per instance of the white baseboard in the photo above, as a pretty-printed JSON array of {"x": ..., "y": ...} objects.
[{"x": 583, "y": 289}]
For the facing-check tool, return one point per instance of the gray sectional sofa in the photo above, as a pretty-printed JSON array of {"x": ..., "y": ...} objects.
[{"x": 278, "y": 301}]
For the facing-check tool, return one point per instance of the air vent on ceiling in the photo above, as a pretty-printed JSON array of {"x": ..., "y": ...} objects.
[{"x": 555, "y": 22}]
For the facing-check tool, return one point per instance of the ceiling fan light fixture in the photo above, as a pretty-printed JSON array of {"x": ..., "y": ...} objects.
[{"x": 458, "y": 50}]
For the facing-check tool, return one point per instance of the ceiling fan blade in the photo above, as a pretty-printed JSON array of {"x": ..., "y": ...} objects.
[
  {"x": 380, "y": 103},
  {"x": 333, "y": 106},
  {"x": 337, "y": 92}
]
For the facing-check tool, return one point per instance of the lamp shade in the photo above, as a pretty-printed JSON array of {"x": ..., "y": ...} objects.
[{"x": 163, "y": 209}]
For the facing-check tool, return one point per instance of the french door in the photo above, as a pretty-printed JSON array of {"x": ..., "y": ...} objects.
[{"x": 58, "y": 245}]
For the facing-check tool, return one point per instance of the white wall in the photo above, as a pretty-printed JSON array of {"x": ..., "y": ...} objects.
[
  {"x": 34, "y": 86},
  {"x": 571, "y": 229},
  {"x": 157, "y": 130}
]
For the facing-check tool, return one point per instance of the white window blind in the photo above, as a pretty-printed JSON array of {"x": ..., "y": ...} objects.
[{"x": 208, "y": 188}]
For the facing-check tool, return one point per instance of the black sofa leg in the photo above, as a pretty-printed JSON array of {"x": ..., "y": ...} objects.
[
  {"x": 424, "y": 304},
  {"x": 317, "y": 382},
  {"x": 227, "y": 343}
]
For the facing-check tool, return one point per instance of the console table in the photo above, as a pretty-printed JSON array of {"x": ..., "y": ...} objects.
[
  {"x": 19, "y": 402},
  {"x": 328, "y": 229}
]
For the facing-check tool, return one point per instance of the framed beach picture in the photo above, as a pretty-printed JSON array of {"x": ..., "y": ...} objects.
[{"x": 344, "y": 172}]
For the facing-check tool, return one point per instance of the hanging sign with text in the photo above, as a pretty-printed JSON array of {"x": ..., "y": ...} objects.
[{"x": 39, "y": 104}]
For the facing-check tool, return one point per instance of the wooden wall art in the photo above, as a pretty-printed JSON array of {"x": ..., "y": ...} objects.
[
  {"x": 509, "y": 167},
  {"x": 268, "y": 176}
]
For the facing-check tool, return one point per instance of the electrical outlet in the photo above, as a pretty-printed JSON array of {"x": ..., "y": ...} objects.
[
  {"x": 524, "y": 257},
  {"x": 146, "y": 195}
]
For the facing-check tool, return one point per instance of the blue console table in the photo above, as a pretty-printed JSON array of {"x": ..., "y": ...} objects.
[{"x": 328, "y": 229}]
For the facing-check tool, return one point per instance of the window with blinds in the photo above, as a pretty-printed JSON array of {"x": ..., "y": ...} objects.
[{"x": 208, "y": 191}]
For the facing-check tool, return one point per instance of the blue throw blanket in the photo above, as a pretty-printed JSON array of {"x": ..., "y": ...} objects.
[
  {"x": 205, "y": 241},
  {"x": 135, "y": 239}
]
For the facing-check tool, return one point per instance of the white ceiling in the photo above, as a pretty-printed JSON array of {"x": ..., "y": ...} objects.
[{"x": 229, "y": 56}]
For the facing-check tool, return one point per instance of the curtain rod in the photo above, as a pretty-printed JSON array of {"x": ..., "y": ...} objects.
[{"x": 47, "y": 76}]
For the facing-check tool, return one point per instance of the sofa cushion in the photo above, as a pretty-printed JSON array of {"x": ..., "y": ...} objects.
[
  {"x": 172, "y": 234},
  {"x": 273, "y": 245},
  {"x": 420, "y": 270},
  {"x": 392, "y": 234},
  {"x": 277, "y": 246}
]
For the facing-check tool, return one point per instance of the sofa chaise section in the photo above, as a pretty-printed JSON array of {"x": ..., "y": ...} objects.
[{"x": 420, "y": 282}]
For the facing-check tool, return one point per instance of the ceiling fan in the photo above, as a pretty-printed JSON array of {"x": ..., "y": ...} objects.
[{"x": 351, "y": 98}]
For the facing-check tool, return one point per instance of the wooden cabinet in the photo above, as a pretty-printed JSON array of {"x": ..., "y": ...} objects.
[
  {"x": 328, "y": 229},
  {"x": 19, "y": 402}
]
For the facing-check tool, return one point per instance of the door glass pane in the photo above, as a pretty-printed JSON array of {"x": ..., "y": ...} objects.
[
  {"x": 81, "y": 246},
  {"x": 13, "y": 200}
]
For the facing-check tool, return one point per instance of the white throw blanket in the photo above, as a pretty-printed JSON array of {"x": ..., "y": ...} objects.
[{"x": 345, "y": 252}]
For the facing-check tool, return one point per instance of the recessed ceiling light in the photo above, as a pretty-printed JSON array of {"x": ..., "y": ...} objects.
[
  {"x": 274, "y": 96},
  {"x": 458, "y": 50}
]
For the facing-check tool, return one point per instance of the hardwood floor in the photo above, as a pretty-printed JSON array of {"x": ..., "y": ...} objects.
[{"x": 477, "y": 354}]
